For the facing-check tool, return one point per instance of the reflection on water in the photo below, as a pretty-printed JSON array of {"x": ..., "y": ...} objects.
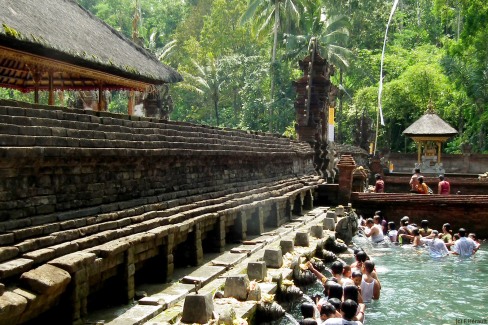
[{"x": 419, "y": 289}]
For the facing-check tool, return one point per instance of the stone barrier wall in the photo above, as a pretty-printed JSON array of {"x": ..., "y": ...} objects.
[
  {"x": 468, "y": 211},
  {"x": 90, "y": 202}
]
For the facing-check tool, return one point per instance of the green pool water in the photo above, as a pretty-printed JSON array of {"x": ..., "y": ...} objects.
[{"x": 418, "y": 289}]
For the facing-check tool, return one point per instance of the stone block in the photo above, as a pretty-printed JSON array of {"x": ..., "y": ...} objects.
[
  {"x": 74, "y": 262},
  {"x": 339, "y": 211},
  {"x": 12, "y": 305},
  {"x": 198, "y": 308},
  {"x": 301, "y": 239},
  {"x": 329, "y": 224},
  {"x": 14, "y": 267},
  {"x": 46, "y": 279},
  {"x": 236, "y": 286},
  {"x": 287, "y": 246},
  {"x": 332, "y": 215},
  {"x": 7, "y": 253},
  {"x": 256, "y": 270},
  {"x": 317, "y": 231},
  {"x": 254, "y": 291},
  {"x": 273, "y": 258}
]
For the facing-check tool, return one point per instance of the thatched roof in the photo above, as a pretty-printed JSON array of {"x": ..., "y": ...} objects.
[
  {"x": 74, "y": 42},
  {"x": 430, "y": 124}
]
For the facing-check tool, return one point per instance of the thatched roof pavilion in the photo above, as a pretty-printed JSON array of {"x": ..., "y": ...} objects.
[
  {"x": 58, "y": 45},
  {"x": 430, "y": 128}
]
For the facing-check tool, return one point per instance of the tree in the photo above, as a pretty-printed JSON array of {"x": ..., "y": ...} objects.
[
  {"x": 279, "y": 13},
  {"x": 207, "y": 81}
]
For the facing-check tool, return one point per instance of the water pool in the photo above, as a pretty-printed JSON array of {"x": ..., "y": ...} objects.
[{"x": 418, "y": 289}]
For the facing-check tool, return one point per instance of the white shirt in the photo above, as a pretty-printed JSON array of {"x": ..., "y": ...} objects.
[
  {"x": 393, "y": 235},
  {"x": 464, "y": 246},
  {"x": 437, "y": 247}
]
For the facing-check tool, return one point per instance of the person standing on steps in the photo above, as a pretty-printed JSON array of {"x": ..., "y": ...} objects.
[{"x": 443, "y": 187}]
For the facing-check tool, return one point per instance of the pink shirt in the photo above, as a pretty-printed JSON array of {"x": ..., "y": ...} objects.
[{"x": 445, "y": 187}]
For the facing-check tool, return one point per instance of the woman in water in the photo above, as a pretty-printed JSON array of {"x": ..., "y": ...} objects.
[{"x": 446, "y": 235}]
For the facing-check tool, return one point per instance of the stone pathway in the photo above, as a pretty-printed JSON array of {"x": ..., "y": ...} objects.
[{"x": 164, "y": 305}]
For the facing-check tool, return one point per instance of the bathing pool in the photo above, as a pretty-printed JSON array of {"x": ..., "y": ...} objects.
[{"x": 418, "y": 289}]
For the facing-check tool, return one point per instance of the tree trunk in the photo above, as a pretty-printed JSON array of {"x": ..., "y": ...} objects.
[{"x": 273, "y": 59}]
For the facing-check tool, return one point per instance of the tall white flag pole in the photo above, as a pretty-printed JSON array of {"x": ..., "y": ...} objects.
[{"x": 379, "y": 116}]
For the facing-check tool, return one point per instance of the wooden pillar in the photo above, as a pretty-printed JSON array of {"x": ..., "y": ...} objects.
[
  {"x": 419, "y": 151},
  {"x": 36, "y": 76},
  {"x": 439, "y": 144},
  {"x": 131, "y": 103},
  {"x": 51, "y": 89},
  {"x": 102, "y": 105}
]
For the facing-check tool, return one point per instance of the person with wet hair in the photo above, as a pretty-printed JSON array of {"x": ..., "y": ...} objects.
[
  {"x": 392, "y": 232},
  {"x": 308, "y": 310},
  {"x": 473, "y": 237},
  {"x": 424, "y": 228},
  {"x": 464, "y": 247},
  {"x": 361, "y": 257},
  {"x": 374, "y": 230},
  {"x": 404, "y": 232},
  {"x": 370, "y": 285},
  {"x": 327, "y": 310},
  {"x": 352, "y": 292},
  {"x": 437, "y": 248},
  {"x": 336, "y": 269},
  {"x": 336, "y": 302},
  {"x": 348, "y": 311},
  {"x": 335, "y": 291}
]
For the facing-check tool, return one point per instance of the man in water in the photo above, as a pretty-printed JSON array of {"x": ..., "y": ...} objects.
[
  {"x": 374, "y": 230},
  {"x": 437, "y": 247},
  {"x": 349, "y": 309},
  {"x": 464, "y": 247}
]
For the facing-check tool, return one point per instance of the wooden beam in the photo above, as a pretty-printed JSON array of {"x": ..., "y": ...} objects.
[{"x": 46, "y": 63}]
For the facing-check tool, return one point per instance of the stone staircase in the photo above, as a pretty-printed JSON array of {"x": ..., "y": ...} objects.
[{"x": 93, "y": 202}]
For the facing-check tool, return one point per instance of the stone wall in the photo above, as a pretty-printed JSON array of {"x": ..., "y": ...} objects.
[
  {"x": 90, "y": 200},
  {"x": 468, "y": 211},
  {"x": 452, "y": 163}
]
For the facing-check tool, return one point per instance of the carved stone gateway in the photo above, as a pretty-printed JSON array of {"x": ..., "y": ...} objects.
[{"x": 315, "y": 94}]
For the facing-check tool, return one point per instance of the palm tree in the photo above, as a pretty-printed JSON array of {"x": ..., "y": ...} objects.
[
  {"x": 208, "y": 82},
  {"x": 275, "y": 13},
  {"x": 331, "y": 33}
]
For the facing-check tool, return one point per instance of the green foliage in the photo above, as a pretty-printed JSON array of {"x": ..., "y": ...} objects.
[{"x": 239, "y": 58}]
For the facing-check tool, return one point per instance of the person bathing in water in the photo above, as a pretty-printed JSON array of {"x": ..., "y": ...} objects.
[{"x": 374, "y": 229}]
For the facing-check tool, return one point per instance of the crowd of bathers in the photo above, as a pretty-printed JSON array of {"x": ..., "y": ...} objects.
[
  {"x": 438, "y": 243},
  {"x": 346, "y": 293},
  {"x": 351, "y": 287}
]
